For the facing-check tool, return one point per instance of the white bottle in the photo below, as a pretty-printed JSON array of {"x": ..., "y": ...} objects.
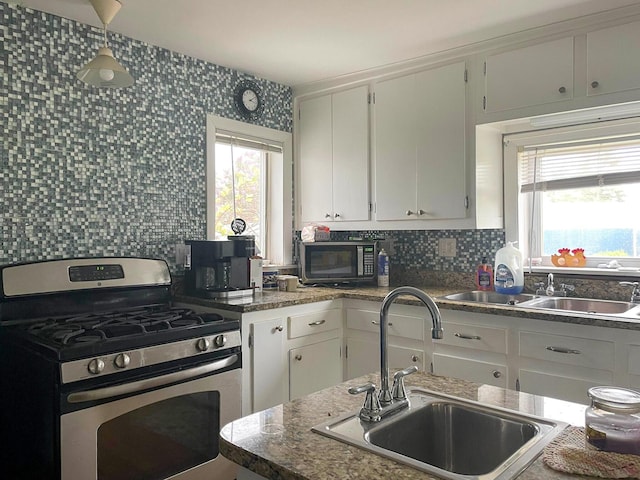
[
  {"x": 508, "y": 272},
  {"x": 383, "y": 268}
]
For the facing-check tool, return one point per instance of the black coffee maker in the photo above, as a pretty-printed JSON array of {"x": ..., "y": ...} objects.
[{"x": 219, "y": 268}]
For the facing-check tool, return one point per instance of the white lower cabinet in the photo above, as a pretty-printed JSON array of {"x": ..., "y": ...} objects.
[
  {"x": 472, "y": 348},
  {"x": 362, "y": 337},
  {"x": 292, "y": 352},
  {"x": 269, "y": 374},
  {"x": 314, "y": 367}
]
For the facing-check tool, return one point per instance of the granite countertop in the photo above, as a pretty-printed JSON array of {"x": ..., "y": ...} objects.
[
  {"x": 270, "y": 299},
  {"x": 278, "y": 443}
]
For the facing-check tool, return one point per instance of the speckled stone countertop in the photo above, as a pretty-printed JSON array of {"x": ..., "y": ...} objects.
[
  {"x": 270, "y": 299},
  {"x": 278, "y": 443}
]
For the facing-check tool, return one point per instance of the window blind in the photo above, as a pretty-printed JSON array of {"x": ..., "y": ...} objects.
[
  {"x": 578, "y": 165},
  {"x": 230, "y": 138}
]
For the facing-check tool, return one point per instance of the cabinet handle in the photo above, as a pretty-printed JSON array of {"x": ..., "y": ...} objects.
[
  {"x": 497, "y": 374},
  {"x": 279, "y": 328},
  {"x": 316, "y": 323},
  {"x": 421, "y": 212},
  {"x": 327, "y": 215},
  {"x": 464, "y": 336},
  {"x": 409, "y": 212},
  {"x": 337, "y": 215},
  {"x": 415, "y": 358},
  {"x": 564, "y": 350},
  {"x": 378, "y": 323},
  {"x": 594, "y": 84},
  {"x": 298, "y": 357},
  {"x": 562, "y": 89}
]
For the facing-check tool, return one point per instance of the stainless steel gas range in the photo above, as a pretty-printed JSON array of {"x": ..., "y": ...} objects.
[{"x": 102, "y": 378}]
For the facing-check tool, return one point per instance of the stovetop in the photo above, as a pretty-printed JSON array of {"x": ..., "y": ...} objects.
[{"x": 87, "y": 334}]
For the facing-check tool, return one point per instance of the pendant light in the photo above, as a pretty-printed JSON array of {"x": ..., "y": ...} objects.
[{"x": 104, "y": 70}]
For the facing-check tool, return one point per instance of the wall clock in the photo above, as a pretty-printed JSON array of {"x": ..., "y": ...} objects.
[{"x": 248, "y": 100}]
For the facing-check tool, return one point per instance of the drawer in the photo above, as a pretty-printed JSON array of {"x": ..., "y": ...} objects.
[
  {"x": 472, "y": 370},
  {"x": 489, "y": 339},
  {"x": 314, "y": 322},
  {"x": 572, "y": 389},
  {"x": 583, "y": 352},
  {"x": 399, "y": 325}
]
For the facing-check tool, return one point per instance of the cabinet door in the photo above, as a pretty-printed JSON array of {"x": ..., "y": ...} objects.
[
  {"x": 316, "y": 151},
  {"x": 350, "y": 128},
  {"x": 440, "y": 142},
  {"x": 395, "y": 148},
  {"x": 611, "y": 67},
  {"x": 363, "y": 357},
  {"x": 314, "y": 367},
  {"x": 529, "y": 76},
  {"x": 269, "y": 367},
  {"x": 472, "y": 370}
]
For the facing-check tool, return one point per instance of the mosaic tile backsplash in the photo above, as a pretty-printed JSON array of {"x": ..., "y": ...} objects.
[
  {"x": 417, "y": 250},
  {"x": 87, "y": 171}
]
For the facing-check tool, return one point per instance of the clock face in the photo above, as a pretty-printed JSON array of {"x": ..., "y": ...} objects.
[{"x": 250, "y": 100}]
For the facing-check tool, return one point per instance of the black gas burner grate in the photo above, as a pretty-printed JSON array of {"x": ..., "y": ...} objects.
[{"x": 103, "y": 326}]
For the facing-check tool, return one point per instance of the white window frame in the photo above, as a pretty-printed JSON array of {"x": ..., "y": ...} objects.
[
  {"x": 514, "y": 231},
  {"x": 280, "y": 189}
]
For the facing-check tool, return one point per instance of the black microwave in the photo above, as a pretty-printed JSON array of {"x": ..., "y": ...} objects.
[{"x": 337, "y": 262}]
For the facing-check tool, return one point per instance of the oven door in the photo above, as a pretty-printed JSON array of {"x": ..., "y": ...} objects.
[{"x": 169, "y": 432}]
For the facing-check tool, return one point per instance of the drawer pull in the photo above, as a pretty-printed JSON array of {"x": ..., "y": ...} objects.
[
  {"x": 415, "y": 358},
  {"x": 298, "y": 357},
  {"x": 316, "y": 323},
  {"x": 564, "y": 350},
  {"x": 279, "y": 328},
  {"x": 378, "y": 323},
  {"x": 497, "y": 374},
  {"x": 464, "y": 336}
]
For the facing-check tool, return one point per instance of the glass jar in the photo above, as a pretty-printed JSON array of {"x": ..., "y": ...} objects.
[{"x": 612, "y": 420}]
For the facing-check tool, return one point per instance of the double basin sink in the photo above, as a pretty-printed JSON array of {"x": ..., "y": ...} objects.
[
  {"x": 450, "y": 437},
  {"x": 564, "y": 304}
]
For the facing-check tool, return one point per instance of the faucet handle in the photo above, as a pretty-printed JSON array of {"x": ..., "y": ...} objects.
[
  {"x": 370, "y": 410},
  {"x": 564, "y": 288},
  {"x": 398, "y": 391}
]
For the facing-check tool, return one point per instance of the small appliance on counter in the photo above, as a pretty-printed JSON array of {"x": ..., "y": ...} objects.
[
  {"x": 337, "y": 262},
  {"x": 219, "y": 268}
]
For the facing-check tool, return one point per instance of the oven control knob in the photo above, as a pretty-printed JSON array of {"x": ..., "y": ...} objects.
[
  {"x": 203, "y": 344},
  {"x": 220, "y": 341},
  {"x": 122, "y": 360},
  {"x": 96, "y": 366}
]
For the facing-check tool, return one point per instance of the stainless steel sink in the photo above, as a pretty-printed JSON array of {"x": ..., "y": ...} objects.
[
  {"x": 582, "y": 305},
  {"x": 490, "y": 297},
  {"x": 450, "y": 437}
]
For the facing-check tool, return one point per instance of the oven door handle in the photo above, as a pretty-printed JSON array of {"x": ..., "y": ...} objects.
[{"x": 163, "y": 380}]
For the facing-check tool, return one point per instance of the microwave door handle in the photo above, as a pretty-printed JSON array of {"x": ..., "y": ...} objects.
[{"x": 163, "y": 380}]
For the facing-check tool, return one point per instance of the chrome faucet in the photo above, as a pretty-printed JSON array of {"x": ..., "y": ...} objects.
[
  {"x": 550, "y": 289},
  {"x": 635, "y": 294},
  {"x": 389, "y": 400}
]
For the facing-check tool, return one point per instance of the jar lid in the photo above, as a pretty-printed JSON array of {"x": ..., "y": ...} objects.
[{"x": 616, "y": 398}]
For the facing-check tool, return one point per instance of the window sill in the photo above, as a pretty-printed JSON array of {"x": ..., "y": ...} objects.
[{"x": 592, "y": 271}]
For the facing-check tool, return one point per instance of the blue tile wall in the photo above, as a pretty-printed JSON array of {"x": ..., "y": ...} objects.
[{"x": 87, "y": 171}]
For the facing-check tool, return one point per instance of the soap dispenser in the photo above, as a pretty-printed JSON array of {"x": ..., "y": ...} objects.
[{"x": 484, "y": 275}]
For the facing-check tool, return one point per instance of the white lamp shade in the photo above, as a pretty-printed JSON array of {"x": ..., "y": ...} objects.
[{"x": 105, "y": 71}]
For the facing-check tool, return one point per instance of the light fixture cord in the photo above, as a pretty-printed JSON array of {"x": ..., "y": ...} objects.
[{"x": 104, "y": 30}]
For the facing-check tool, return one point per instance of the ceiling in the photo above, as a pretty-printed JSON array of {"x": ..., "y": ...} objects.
[{"x": 298, "y": 42}]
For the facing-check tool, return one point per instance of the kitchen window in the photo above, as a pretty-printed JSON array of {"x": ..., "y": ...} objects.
[
  {"x": 249, "y": 177},
  {"x": 576, "y": 187}
]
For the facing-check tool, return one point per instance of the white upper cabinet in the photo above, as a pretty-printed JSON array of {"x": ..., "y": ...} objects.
[
  {"x": 529, "y": 76},
  {"x": 419, "y": 140},
  {"x": 613, "y": 63},
  {"x": 334, "y": 157}
]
